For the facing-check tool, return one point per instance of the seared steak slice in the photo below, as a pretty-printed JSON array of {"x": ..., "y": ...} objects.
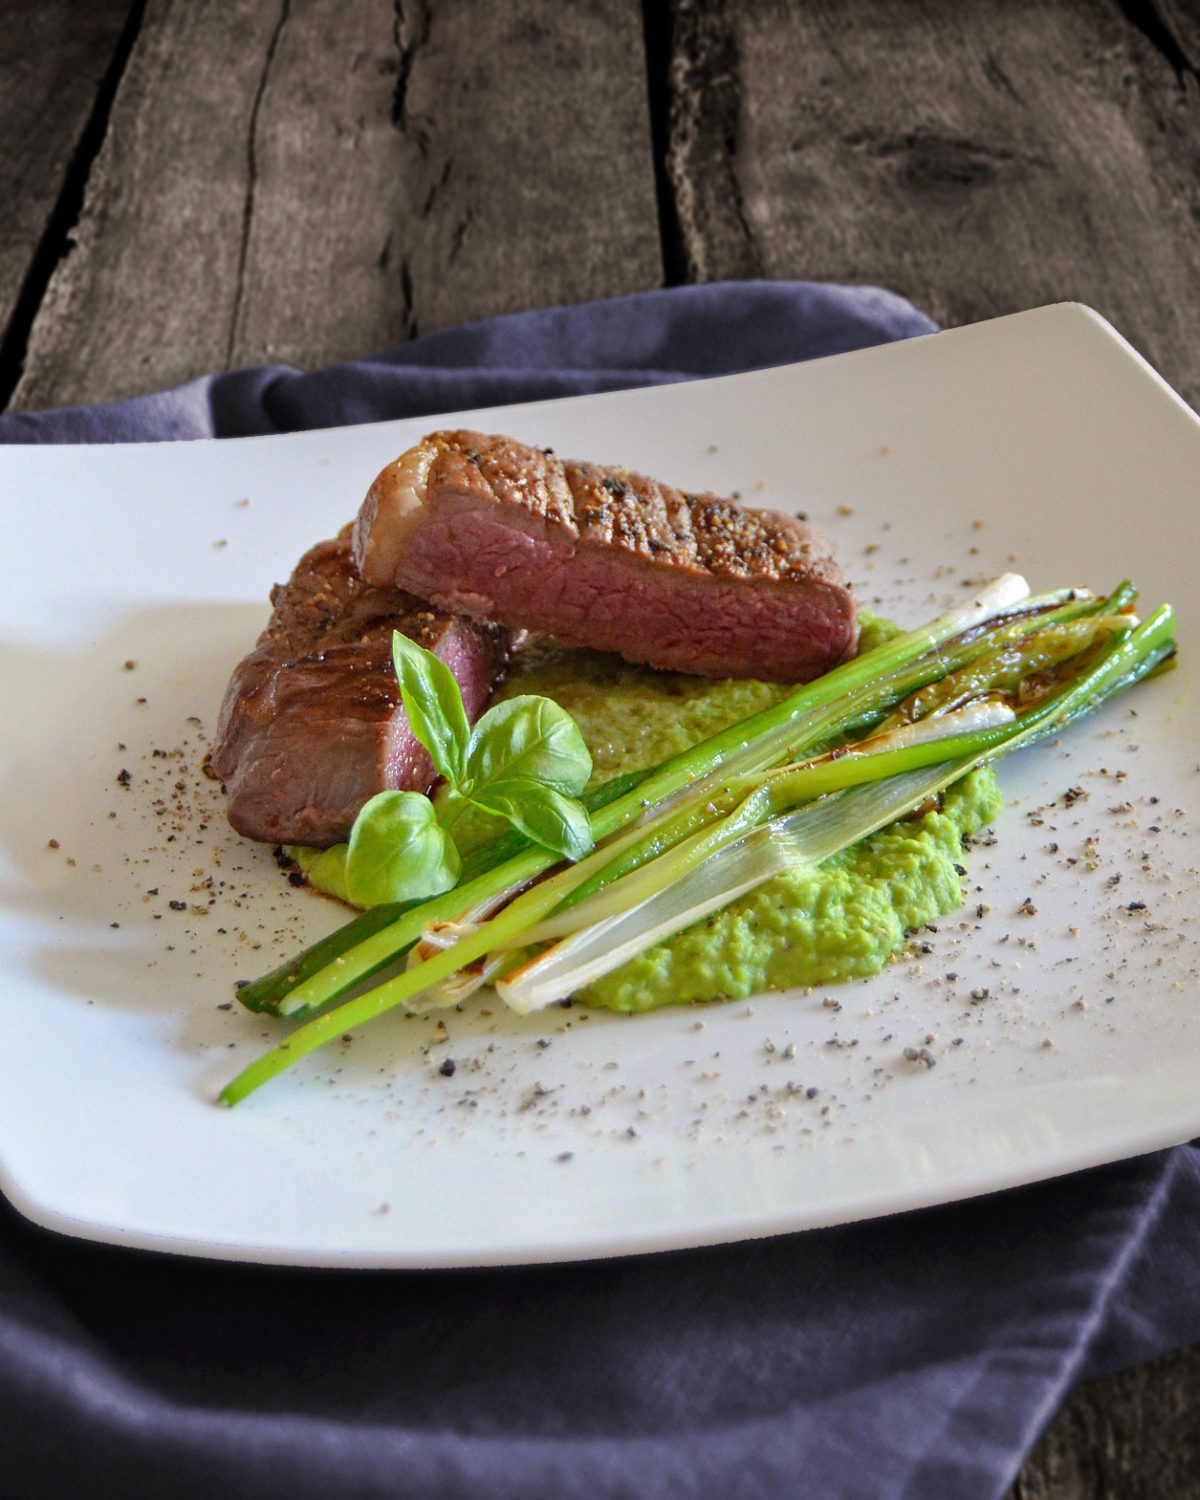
[
  {"x": 311, "y": 725},
  {"x": 606, "y": 558}
]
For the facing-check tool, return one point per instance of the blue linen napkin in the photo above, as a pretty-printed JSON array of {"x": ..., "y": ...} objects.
[{"x": 916, "y": 1356}]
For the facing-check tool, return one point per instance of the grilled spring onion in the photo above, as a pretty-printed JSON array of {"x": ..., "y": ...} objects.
[
  {"x": 658, "y": 901},
  {"x": 862, "y": 693}
]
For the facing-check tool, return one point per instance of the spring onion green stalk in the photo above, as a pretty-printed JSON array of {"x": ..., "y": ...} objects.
[
  {"x": 783, "y": 788},
  {"x": 265, "y": 993},
  {"x": 794, "y": 841},
  {"x": 977, "y": 732},
  {"x": 871, "y": 760},
  {"x": 861, "y": 692},
  {"x": 990, "y": 664},
  {"x": 689, "y": 884}
]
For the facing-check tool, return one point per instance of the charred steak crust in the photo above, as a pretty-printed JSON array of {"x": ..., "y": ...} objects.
[
  {"x": 311, "y": 725},
  {"x": 608, "y": 558},
  {"x": 697, "y": 533}
]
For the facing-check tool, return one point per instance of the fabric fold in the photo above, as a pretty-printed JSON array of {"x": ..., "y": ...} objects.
[{"x": 647, "y": 338}]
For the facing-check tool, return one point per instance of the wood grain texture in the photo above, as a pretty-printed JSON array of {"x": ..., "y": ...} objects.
[
  {"x": 53, "y": 58},
  {"x": 1132, "y": 1436},
  {"x": 309, "y": 180},
  {"x": 979, "y": 158},
  {"x": 467, "y": 159},
  {"x": 146, "y": 295}
]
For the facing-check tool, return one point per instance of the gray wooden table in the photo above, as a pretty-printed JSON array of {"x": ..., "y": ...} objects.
[{"x": 190, "y": 185}]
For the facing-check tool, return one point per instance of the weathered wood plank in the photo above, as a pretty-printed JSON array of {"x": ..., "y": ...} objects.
[
  {"x": 978, "y": 157},
  {"x": 312, "y": 180},
  {"x": 146, "y": 296},
  {"x": 53, "y": 58},
  {"x": 1132, "y": 1436},
  {"x": 482, "y": 159}
]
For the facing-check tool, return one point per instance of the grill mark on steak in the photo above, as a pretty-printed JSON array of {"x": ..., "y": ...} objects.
[
  {"x": 607, "y": 558},
  {"x": 311, "y": 725}
]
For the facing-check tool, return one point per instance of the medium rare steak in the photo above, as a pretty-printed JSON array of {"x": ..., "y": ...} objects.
[
  {"x": 606, "y": 558},
  {"x": 311, "y": 725}
]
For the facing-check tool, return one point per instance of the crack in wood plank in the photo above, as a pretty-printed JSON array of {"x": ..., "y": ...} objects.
[
  {"x": 411, "y": 30},
  {"x": 1157, "y": 25},
  {"x": 252, "y": 179},
  {"x": 658, "y": 35},
  {"x": 56, "y": 241},
  {"x": 145, "y": 298},
  {"x": 408, "y": 311},
  {"x": 703, "y": 159}
]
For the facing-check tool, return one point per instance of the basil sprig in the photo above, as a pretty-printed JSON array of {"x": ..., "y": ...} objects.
[{"x": 525, "y": 762}]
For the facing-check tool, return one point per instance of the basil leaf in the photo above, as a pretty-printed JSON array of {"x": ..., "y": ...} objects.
[
  {"x": 542, "y": 814},
  {"x": 527, "y": 738},
  {"x": 325, "y": 869},
  {"x": 433, "y": 702},
  {"x": 398, "y": 851}
]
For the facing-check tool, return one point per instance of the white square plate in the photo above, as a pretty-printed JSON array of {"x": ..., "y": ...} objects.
[{"x": 1039, "y": 442}]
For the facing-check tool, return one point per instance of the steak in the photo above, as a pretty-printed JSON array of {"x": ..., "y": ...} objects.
[
  {"x": 312, "y": 724},
  {"x": 606, "y": 558}
]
